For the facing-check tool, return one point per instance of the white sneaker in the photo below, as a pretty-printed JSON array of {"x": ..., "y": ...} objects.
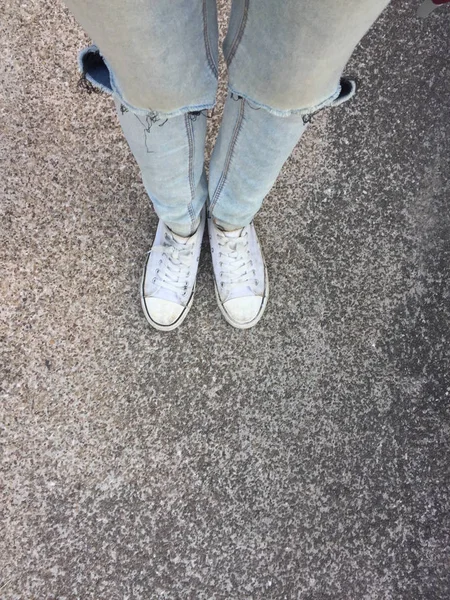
[
  {"x": 240, "y": 274},
  {"x": 168, "y": 280}
]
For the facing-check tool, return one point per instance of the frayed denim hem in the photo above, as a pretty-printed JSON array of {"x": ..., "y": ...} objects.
[
  {"x": 345, "y": 90},
  {"x": 94, "y": 68}
]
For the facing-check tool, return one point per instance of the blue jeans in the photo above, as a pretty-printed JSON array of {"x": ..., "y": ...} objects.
[{"x": 159, "y": 60}]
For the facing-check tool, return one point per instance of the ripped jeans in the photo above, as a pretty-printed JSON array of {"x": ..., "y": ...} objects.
[{"x": 159, "y": 60}]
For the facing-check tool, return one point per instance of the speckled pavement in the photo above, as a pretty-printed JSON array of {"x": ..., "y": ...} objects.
[{"x": 305, "y": 459}]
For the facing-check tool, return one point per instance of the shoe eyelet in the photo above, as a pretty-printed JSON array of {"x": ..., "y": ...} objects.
[
  {"x": 154, "y": 280},
  {"x": 256, "y": 282}
]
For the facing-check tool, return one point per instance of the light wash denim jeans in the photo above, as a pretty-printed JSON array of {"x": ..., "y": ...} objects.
[{"x": 159, "y": 60}]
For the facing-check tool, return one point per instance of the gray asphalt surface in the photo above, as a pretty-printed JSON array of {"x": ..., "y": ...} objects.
[{"x": 305, "y": 459}]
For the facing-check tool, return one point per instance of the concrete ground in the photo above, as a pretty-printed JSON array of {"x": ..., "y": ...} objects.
[{"x": 305, "y": 459}]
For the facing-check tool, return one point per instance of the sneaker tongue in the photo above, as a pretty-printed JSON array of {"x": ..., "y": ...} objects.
[
  {"x": 180, "y": 239},
  {"x": 233, "y": 234}
]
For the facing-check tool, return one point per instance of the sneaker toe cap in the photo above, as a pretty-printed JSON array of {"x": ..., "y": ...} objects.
[
  {"x": 243, "y": 310},
  {"x": 163, "y": 312}
]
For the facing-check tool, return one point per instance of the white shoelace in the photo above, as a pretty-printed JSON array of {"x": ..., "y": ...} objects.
[
  {"x": 235, "y": 262},
  {"x": 174, "y": 265}
]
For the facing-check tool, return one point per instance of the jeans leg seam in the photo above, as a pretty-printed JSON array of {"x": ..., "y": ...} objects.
[
  {"x": 191, "y": 146},
  {"x": 226, "y": 168},
  {"x": 240, "y": 33},
  {"x": 209, "y": 53}
]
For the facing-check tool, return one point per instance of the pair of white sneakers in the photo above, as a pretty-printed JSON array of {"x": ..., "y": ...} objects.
[{"x": 170, "y": 271}]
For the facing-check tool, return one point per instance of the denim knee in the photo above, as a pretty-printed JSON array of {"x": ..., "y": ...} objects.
[
  {"x": 344, "y": 91},
  {"x": 97, "y": 74}
]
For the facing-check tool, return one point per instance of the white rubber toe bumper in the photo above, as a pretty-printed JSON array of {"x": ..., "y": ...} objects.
[
  {"x": 243, "y": 310},
  {"x": 163, "y": 312}
]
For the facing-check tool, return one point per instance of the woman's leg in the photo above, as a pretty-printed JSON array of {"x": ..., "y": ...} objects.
[
  {"x": 159, "y": 61},
  {"x": 285, "y": 62}
]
